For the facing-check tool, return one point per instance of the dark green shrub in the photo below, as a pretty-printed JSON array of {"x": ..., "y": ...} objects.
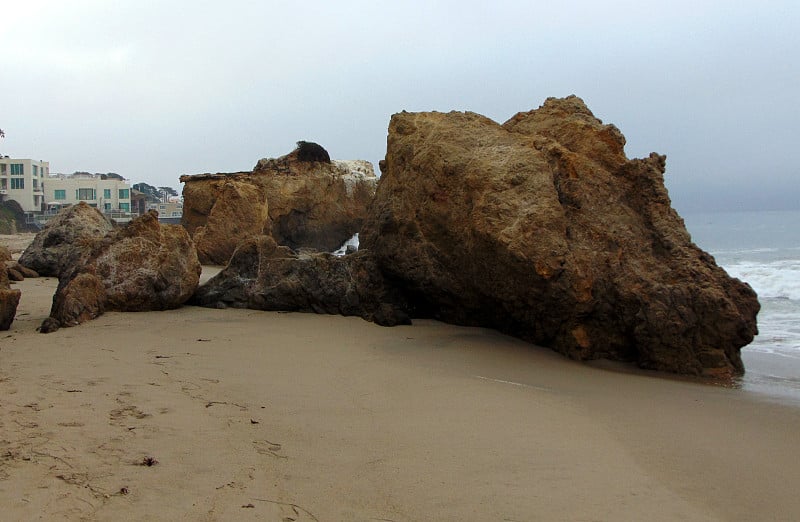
[{"x": 310, "y": 151}]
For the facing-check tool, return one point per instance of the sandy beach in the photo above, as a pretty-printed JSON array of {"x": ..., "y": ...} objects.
[{"x": 248, "y": 415}]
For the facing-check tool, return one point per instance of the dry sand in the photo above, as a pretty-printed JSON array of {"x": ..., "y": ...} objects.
[
  {"x": 16, "y": 243},
  {"x": 267, "y": 416}
]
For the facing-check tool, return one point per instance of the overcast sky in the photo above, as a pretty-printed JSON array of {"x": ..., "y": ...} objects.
[{"x": 155, "y": 89}]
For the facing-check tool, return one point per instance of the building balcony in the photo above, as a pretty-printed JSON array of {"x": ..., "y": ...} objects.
[{"x": 120, "y": 216}]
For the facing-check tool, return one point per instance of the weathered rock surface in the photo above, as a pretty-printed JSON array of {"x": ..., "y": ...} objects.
[
  {"x": 543, "y": 228},
  {"x": 238, "y": 211},
  {"x": 14, "y": 274},
  {"x": 24, "y": 271},
  {"x": 141, "y": 266},
  {"x": 264, "y": 276},
  {"x": 300, "y": 204},
  {"x": 5, "y": 254},
  {"x": 65, "y": 240},
  {"x": 9, "y": 299}
]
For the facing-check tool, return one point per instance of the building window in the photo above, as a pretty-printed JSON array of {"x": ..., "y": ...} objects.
[
  {"x": 107, "y": 193},
  {"x": 60, "y": 194},
  {"x": 124, "y": 194},
  {"x": 85, "y": 194},
  {"x": 162, "y": 207},
  {"x": 3, "y": 184},
  {"x": 35, "y": 171},
  {"x": 17, "y": 183},
  {"x": 2, "y": 169},
  {"x": 35, "y": 184},
  {"x": 125, "y": 207},
  {"x": 106, "y": 206},
  {"x": 17, "y": 169}
]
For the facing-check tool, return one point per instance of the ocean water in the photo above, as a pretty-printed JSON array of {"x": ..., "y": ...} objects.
[{"x": 763, "y": 249}]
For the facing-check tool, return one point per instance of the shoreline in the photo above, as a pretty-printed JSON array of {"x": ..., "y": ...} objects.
[
  {"x": 332, "y": 418},
  {"x": 773, "y": 376}
]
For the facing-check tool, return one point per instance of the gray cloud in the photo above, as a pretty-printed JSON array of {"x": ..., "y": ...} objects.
[{"x": 155, "y": 90}]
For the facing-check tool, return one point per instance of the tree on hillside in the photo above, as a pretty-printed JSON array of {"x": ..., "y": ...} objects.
[
  {"x": 166, "y": 192},
  {"x": 2, "y": 134},
  {"x": 145, "y": 188},
  {"x": 152, "y": 193}
]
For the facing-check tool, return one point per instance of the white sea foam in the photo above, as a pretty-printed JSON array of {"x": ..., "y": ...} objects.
[
  {"x": 738, "y": 251},
  {"x": 342, "y": 250},
  {"x": 776, "y": 280}
]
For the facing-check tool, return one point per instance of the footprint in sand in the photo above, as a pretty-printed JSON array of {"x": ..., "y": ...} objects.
[
  {"x": 265, "y": 447},
  {"x": 73, "y": 424},
  {"x": 127, "y": 411}
]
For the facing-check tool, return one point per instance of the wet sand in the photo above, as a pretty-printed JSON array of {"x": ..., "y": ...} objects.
[{"x": 252, "y": 415}]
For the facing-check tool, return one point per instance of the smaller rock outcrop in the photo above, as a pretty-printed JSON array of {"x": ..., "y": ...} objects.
[
  {"x": 14, "y": 274},
  {"x": 9, "y": 299},
  {"x": 81, "y": 298},
  {"x": 23, "y": 271},
  {"x": 302, "y": 200},
  {"x": 141, "y": 266},
  {"x": 264, "y": 276},
  {"x": 65, "y": 240}
]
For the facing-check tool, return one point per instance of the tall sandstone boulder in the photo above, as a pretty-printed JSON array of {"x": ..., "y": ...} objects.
[
  {"x": 65, "y": 240},
  {"x": 142, "y": 266},
  {"x": 300, "y": 203},
  {"x": 543, "y": 228}
]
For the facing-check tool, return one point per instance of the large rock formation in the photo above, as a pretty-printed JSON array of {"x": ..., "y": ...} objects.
[
  {"x": 65, "y": 240},
  {"x": 300, "y": 202},
  {"x": 264, "y": 276},
  {"x": 9, "y": 299},
  {"x": 141, "y": 266},
  {"x": 543, "y": 228}
]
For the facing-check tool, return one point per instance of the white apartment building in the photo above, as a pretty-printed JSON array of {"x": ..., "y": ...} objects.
[
  {"x": 170, "y": 209},
  {"x": 23, "y": 181},
  {"x": 107, "y": 194}
]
